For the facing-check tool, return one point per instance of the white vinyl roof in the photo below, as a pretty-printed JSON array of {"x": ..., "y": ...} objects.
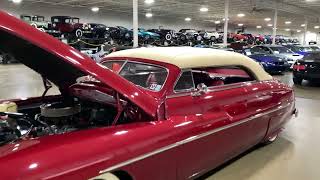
[{"x": 188, "y": 57}]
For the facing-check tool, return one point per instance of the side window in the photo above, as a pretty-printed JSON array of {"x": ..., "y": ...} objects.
[
  {"x": 218, "y": 76},
  {"x": 267, "y": 50},
  {"x": 185, "y": 82}
]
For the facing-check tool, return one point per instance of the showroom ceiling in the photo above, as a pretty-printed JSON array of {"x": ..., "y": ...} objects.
[{"x": 255, "y": 11}]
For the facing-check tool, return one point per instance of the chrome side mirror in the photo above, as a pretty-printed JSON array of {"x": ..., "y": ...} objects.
[{"x": 201, "y": 89}]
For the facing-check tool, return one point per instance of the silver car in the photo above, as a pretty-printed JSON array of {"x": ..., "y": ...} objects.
[{"x": 282, "y": 52}]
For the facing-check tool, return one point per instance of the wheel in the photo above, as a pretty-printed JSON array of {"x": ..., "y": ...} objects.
[
  {"x": 34, "y": 25},
  {"x": 168, "y": 37},
  {"x": 106, "y": 176},
  {"x": 183, "y": 37},
  {"x": 297, "y": 81},
  {"x": 270, "y": 140},
  {"x": 199, "y": 38},
  {"x": 213, "y": 39},
  {"x": 79, "y": 33}
]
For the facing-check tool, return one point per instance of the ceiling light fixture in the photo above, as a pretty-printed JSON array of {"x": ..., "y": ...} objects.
[
  {"x": 95, "y": 9},
  {"x": 240, "y": 25},
  {"x": 267, "y": 19},
  {"x": 287, "y": 22},
  {"x": 287, "y": 29},
  {"x": 303, "y": 25},
  {"x": 270, "y": 25},
  {"x": 187, "y": 19},
  {"x": 149, "y": 15},
  {"x": 241, "y": 15},
  {"x": 16, "y": 1},
  {"x": 298, "y": 30},
  {"x": 204, "y": 9},
  {"x": 259, "y": 27},
  {"x": 217, "y": 22},
  {"x": 149, "y": 1},
  {"x": 317, "y": 27}
]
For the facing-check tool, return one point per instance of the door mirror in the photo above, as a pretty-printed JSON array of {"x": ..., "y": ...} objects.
[{"x": 201, "y": 89}]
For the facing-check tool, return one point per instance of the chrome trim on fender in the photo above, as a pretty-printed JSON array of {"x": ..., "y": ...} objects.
[{"x": 192, "y": 138}]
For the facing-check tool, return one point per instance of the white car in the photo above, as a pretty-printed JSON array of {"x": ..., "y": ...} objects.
[{"x": 210, "y": 35}]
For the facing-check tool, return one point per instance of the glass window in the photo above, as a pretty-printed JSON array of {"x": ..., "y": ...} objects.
[
  {"x": 257, "y": 50},
  {"x": 68, "y": 21},
  {"x": 144, "y": 75},
  {"x": 185, "y": 82},
  {"x": 281, "y": 50},
  {"x": 26, "y": 18}
]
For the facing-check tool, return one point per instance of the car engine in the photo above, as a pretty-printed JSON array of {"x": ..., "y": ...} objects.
[{"x": 54, "y": 118}]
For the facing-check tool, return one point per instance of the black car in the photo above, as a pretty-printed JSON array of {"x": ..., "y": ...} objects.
[
  {"x": 99, "y": 30},
  {"x": 165, "y": 34},
  {"x": 307, "y": 68},
  {"x": 120, "y": 34}
]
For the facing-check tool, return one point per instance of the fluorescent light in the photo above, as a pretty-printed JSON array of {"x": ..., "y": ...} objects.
[
  {"x": 267, "y": 19},
  {"x": 217, "y": 22},
  {"x": 149, "y": 1},
  {"x": 240, "y": 25},
  {"x": 149, "y": 15},
  {"x": 303, "y": 25},
  {"x": 259, "y": 27},
  {"x": 225, "y": 19},
  {"x": 17, "y": 1},
  {"x": 241, "y": 15},
  {"x": 317, "y": 27},
  {"x": 287, "y": 29},
  {"x": 204, "y": 9},
  {"x": 95, "y": 9},
  {"x": 287, "y": 22},
  {"x": 270, "y": 25},
  {"x": 298, "y": 30},
  {"x": 187, "y": 19}
]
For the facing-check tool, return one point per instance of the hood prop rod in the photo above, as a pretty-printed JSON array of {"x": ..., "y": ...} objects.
[
  {"x": 119, "y": 110},
  {"x": 47, "y": 85}
]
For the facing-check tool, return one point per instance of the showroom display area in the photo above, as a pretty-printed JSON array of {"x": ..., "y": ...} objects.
[{"x": 159, "y": 89}]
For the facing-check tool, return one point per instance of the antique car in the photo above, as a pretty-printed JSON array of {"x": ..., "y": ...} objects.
[
  {"x": 70, "y": 26},
  {"x": 188, "y": 35},
  {"x": 98, "y": 31},
  {"x": 271, "y": 63},
  {"x": 211, "y": 36},
  {"x": 120, "y": 34},
  {"x": 165, "y": 34},
  {"x": 146, "y": 113},
  {"x": 40, "y": 23},
  {"x": 282, "y": 52},
  {"x": 307, "y": 68}
]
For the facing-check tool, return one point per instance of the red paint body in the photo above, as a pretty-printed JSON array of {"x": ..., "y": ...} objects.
[{"x": 185, "y": 147}]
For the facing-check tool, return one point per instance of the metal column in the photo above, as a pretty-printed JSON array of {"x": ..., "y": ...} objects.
[
  {"x": 305, "y": 31},
  {"x": 275, "y": 20},
  {"x": 226, "y": 21},
  {"x": 135, "y": 23}
]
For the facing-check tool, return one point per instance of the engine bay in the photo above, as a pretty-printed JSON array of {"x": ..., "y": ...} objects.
[{"x": 89, "y": 106}]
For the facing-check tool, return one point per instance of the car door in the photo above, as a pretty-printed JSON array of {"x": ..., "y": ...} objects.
[{"x": 213, "y": 124}]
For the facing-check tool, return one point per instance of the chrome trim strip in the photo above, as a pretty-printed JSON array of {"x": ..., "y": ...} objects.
[{"x": 192, "y": 138}]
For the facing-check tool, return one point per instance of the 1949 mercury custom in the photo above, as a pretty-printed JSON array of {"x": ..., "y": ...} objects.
[{"x": 148, "y": 113}]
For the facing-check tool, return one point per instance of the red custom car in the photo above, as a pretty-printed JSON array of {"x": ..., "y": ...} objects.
[{"x": 157, "y": 113}]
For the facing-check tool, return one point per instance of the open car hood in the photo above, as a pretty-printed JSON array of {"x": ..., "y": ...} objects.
[{"x": 62, "y": 64}]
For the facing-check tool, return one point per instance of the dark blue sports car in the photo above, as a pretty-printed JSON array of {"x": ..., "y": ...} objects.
[{"x": 271, "y": 63}]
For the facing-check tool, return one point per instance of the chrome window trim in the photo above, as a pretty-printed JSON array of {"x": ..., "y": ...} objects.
[{"x": 192, "y": 138}]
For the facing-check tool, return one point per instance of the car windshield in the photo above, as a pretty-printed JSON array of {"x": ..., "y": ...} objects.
[
  {"x": 75, "y": 20},
  {"x": 315, "y": 48},
  {"x": 26, "y": 18},
  {"x": 255, "y": 50},
  {"x": 147, "y": 76},
  {"x": 313, "y": 56},
  {"x": 38, "y": 18},
  {"x": 281, "y": 50}
]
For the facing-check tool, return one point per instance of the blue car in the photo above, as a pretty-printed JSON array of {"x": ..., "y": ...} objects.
[
  {"x": 271, "y": 63},
  {"x": 302, "y": 50},
  {"x": 145, "y": 35}
]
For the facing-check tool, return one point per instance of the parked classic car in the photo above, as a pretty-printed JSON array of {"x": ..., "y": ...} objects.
[
  {"x": 138, "y": 115},
  {"x": 36, "y": 21},
  {"x": 188, "y": 35},
  {"x": 70, "y": 26},
  {"x": 98, "y": 31},
  {"x": 282, "y": 52},
  {"x": 307, "y": 68},
  {"x": 211, "y": 36},
  {"x": 165, "y": 34},
  {"x": 120, "y": 34},
  {"x": 271, "y": 63}
]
